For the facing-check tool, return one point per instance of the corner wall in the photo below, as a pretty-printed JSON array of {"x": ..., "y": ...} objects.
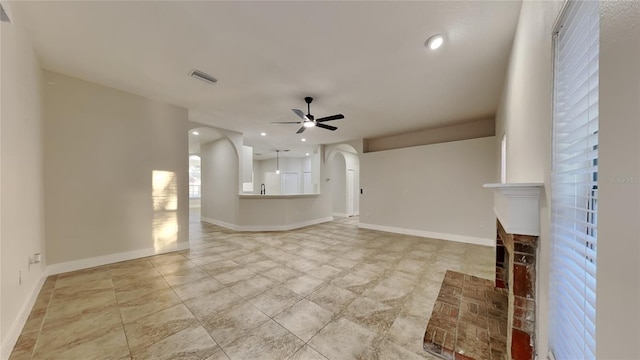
[
  {"x": 618, "y": 272},
  {"x": 21, "y": 181},
  {"x": 525, "y": 114},
  {"x": 432, "y": 190},
  {"x": 220, "y": 172},
  {"x": 116, "y": 164}
]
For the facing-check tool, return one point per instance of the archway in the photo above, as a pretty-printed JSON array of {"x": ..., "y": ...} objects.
[
  {"x": 219, "y": 175},
  {"x": 344, "y": 165}
]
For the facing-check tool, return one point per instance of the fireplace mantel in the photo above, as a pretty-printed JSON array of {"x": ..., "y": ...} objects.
[{"x": 517, "y": 206}]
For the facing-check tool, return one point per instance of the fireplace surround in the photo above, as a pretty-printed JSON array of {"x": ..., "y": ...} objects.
[{"x": 517, "y": 230}]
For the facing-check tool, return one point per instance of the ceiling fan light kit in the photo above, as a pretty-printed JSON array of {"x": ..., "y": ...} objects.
[{"x": 309, "y": 121}]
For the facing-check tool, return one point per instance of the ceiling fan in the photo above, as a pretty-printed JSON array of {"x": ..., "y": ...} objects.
[{"x": 309, "y": 121}]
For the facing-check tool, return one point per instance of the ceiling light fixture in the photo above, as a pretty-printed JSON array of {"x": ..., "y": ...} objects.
[
  {"x": 308, "y": 124},
  {"x": 263, "y": 134},
  {"x": 195, "y": 133},
  {"x": 303, "y": 139},
  {"x": 307, "y": 154},
  {"x": 434, "y": 42},
  {"x": 277, "y": 162}
]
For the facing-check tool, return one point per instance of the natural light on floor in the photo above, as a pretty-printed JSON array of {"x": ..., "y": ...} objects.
[{"x": 165, "y": 206}]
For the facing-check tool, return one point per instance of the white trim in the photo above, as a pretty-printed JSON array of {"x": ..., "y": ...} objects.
[
  {"x": 15, "y": 329},
  {"x": 285, "y": 227},
  {"x": 224, "y": 224},
  {"x": 517, "y": 206},
  {"x": 111, "y": 259},
  {"x": 430, "y": 234},
  {"x": 344, "y": 215}
]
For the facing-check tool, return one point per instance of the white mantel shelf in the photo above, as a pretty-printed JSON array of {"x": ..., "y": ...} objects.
[{"x": 517, "y": 206}]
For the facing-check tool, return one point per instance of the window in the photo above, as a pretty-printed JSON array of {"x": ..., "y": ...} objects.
[{"x": 574, "y": 192}]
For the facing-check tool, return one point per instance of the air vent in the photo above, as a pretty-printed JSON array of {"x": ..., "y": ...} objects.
[
  {"x": 203, "y": 76},
  {"x": 3, "y": 15}
]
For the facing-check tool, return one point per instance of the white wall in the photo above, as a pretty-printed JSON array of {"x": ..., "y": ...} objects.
[
  {"x": 102, "y": 147},
  {"x": 432, "y": 190},
  {"x": 287, "y": 165},
  {"x": 220, "y": 188},
  {"x": 21, "y": 181},
  {"x": 525, "y": 116},
  {"x": 338, "y": 183}
]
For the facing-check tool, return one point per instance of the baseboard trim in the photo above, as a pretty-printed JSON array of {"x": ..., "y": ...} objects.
[
  {"x": 18, "y": 323},
  {"x": 224, "y": 224},
  {"x": 256, "y": 228},
  {"x": 110, "y": 259},
  {"x": 340, "y": 215},
  {"x": 430, "y": 234}
]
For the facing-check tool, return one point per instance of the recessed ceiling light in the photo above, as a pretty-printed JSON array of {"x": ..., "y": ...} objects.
[
  {"x": 195, "y": 133},
  {"x": 263, "y": 134},
  {"x": 434, "y": 42},
  {"x": 307, "y": 154},
  {"x": 303, "y": 139}
]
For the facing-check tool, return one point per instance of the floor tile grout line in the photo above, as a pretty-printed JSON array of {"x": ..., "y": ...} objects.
[{"x": 360, "y": 264}]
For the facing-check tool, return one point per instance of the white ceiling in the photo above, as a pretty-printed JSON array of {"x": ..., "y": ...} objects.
[{"x": 366, "y": 60}]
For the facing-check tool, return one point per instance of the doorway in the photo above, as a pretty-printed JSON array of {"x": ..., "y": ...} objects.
[{"x": 350, "y": 192}]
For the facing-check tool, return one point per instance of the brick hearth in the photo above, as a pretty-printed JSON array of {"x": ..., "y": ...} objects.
[{"x": 469, "y": 319}]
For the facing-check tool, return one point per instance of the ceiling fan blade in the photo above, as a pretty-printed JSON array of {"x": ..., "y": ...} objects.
[
  {"x": 300, "y": 114},
  {"x": 328, "y": 127},
  {"x": 302, "y": 129},
  {"x": 286, "y": 122},
  {"x": 332, "y": 117}
]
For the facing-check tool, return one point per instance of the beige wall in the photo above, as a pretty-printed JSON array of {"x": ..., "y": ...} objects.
[
  {"x": 101, "y": 148},
  {"x": 467, "y": 130},
  {"x": 21, "y": 201},
  {"x": 525, "y": 115},
  {"x": 618, "y": 274},
  {"x": 432, "y": 188},
  {"x": 220, "y": 188}
]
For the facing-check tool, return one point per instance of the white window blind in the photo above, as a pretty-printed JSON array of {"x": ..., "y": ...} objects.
[{"x": 575, "y": 184}]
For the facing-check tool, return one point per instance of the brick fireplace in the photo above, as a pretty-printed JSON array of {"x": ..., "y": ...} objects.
[{"x": 517, "y": 230}]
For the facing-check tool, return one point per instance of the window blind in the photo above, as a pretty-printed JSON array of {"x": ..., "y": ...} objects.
[{"x": 574, "y": 183}]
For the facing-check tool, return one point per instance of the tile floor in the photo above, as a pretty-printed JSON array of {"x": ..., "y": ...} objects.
[{"x": 330, "y": 291}]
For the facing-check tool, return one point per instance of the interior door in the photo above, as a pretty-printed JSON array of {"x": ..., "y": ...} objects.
[{"x": 350, "y": 192}]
